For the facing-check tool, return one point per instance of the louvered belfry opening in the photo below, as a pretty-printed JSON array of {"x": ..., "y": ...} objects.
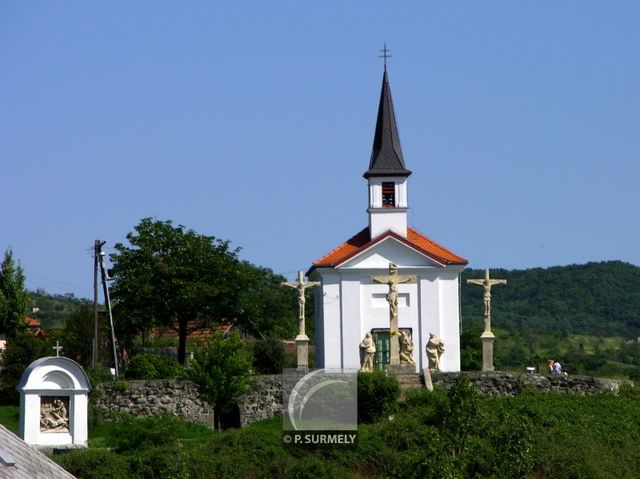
[{"x": 388, "y": 194}]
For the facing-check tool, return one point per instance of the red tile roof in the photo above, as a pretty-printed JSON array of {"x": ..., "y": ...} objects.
[
  {"x": 32, "y": 322},
  {"x": 361, "y": 242},
  {"x": 203, "y": 333}
]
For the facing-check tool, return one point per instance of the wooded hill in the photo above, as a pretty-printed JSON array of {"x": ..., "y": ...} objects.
[
  {"x": 601, "y": 299},
  {"x": 53, "y": 310}
]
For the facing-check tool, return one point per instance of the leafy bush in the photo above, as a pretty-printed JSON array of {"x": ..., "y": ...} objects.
[
  {"x": 313, "y": 467},
  {"x": 378, "y": 394},
  {"x": 99, "y": 374},
  {"x": 132, "y": 433},
  {"x": 95, "y": 464},
  {"x": 154, "y": 366},
  {"x": 268, "y": 356},
  {"x": 161, "y": 462},
  {"x": 221, "y": 367}
]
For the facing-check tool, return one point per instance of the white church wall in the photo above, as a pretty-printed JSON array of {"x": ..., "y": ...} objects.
[
  {"x": 385, "y": 219},
  {"x": 330, "y": 356},
  {"x": 318, "y": 322},
  {"x": 429, "y": 313},
  {"x": 351, "y": 321},
  {"x": 450, "y": 320}
]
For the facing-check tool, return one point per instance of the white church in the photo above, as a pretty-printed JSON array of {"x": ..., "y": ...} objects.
[{"x": 348, "y": 305}]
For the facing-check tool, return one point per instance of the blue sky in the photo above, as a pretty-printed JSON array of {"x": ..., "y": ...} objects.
[{"x": 253, "y": 122}]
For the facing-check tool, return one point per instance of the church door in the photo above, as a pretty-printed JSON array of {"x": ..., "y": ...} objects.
[{"x": 381, "y": 338}]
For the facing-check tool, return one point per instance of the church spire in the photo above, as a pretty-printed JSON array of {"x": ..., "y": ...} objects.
[{"x": 386, "y": 157}]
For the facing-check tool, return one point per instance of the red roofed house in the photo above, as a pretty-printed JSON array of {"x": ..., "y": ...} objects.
[{"x": 351, "y": 305}]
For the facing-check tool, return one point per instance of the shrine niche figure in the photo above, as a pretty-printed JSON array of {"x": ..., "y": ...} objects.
[
  {"x": 54, "y": 416},
  {"x": 435, "y": 349},
  {"x": 367, "y": 353},
  {"x": 406, "y": 349}
]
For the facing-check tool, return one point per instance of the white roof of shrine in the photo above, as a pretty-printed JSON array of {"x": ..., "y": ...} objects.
[{"x": 54, "y": 373}]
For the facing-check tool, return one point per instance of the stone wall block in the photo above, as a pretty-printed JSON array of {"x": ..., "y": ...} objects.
[{"x": 147, "y": 398}]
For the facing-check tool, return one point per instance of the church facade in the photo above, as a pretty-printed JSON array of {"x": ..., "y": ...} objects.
[{"x": 349, "y": 303}]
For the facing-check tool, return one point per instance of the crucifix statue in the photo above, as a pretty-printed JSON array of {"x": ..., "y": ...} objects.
[
  {"x": 302, "y": 340},
  {"x": 487, "y": 336},
  {"x": 393, "y": 280},
  {"x": 486, "y": 283}
]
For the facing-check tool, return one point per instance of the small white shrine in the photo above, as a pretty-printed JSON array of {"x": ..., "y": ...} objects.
[
  {"x": 389, "y": 283},
  {"x": 54, "y": 403}
]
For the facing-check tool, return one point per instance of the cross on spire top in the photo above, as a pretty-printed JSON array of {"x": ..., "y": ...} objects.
[{"x": 385, "y": 54}]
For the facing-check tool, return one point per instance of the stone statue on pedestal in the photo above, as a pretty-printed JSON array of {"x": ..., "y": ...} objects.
[
  {"x": 435, "y": 349},
  {"x": 367, "y": 352},
  {"x": 406, "y": 349}
]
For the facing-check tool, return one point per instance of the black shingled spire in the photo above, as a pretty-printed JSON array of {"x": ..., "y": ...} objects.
[{"x": 386, "y": 157}]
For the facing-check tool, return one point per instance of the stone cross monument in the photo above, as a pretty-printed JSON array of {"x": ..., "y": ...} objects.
[
  {"x": 487, "y": 336},
  {"x": 302, "y": 340},
  {"x": 393, "y": 280}
]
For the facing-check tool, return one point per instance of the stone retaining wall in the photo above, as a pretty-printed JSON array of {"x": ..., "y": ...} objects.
[
  {"x": 264, "y": 400},
  {"x": 510, "y": 384},
  {"x": 146, "y": 398}
]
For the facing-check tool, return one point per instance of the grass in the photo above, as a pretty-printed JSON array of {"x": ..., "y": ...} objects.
[{"x": 10, "y": 418}]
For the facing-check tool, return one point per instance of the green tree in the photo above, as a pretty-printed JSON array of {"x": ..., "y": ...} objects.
[
  {"x": 173, "y": 277},
  {"x": 221, "y": 367},
  {"x": 77, "y": 336},
  {"x": 269, "y": 356},
  {"x": 21, "y": 351},
  {"x": 14, "y": 298},
  {"x": 265, "y": 308}
]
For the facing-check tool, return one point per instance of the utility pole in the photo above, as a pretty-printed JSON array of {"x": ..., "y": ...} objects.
[
  {"x": 105, "y": 288},
  {"x": 96, "y": 253}
]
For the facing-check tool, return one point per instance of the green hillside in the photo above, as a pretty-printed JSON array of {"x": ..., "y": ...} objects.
[
  {"x": 601, "y": 299},
  {"x": 52, "y": 310},
  {"x": 587, "y": 316}
]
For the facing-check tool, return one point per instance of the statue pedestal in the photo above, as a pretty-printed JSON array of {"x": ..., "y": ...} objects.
[
  {"x": 398, "y": 369},
  {"x": 428, "y": 383},
  {"x": 487, "y": 339},
  {"x": 302, "y": 345}
]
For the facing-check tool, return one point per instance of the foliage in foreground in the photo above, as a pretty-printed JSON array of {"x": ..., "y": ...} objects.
[
  {"x": 221, "y": 367},
  {"x": 378, "y": 394},
  {"x": 154, "y": 366},
  {"x": 458, "y": 434}
]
